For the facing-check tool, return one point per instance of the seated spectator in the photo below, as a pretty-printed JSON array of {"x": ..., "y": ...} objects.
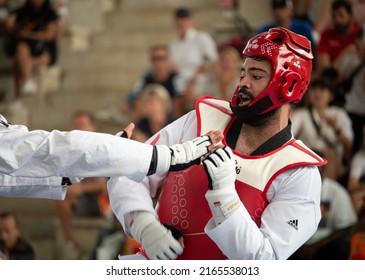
[
  {"x": 161, "y": 72},
  {"x": 156, "y": 104},
  {"x": 82, "y": 199},
  {"x": 227, "y": 74},
  {"x": 4, "y": 13},
  {"x": 325, "y": 128},
  {"x": 318, "y": 13},
  {"x": 12, "y": 245},
  {"x": 356, "y": 183},
  {"x": 194, "y": 54},
  {"x": 337, "y": 38},
  {"x": 283, "y": 13},
  {"x": 330, "y": 241},
  {"x": 336, "y": 205},
  {"x": 351, "y": 65},
  {"x": 32, "y": 40},
  {"x": 61, "y": 8}
]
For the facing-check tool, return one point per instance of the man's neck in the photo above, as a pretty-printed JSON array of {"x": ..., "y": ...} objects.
[{"x": 252, "y": 137}]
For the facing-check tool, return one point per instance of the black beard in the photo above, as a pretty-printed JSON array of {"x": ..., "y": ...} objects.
[
  {"x": 249, "y": 116},
  {"x": 260, "y": 120}
]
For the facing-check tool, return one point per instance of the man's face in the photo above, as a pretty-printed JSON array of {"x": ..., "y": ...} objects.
[
  {"x": 159, "y": 59},
  {"x": 183, "y": 24},
  {"x": 320, "y": 97},
  {"x": 255, "y": 76},
  {"x": 282, "y": 14},
  {"x": 9, "y": 231},
  {"x": 341, "y": 20}
]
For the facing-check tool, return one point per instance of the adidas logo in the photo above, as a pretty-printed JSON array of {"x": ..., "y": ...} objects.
[{"x": 293, "y": 223}]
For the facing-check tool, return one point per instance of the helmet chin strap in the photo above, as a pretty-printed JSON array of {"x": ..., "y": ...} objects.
[{"x": 253, "y": 115}]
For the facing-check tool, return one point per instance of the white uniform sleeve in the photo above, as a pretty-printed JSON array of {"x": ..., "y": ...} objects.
[
  {"x": 126, "y": 195},
  {"x": 49, "y": 188},
  {"x": 70, "y": 154},
  {"x": 290, "y": 219}
]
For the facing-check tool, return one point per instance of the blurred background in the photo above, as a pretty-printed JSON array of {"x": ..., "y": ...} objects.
[{"x": 103, "y": 48}]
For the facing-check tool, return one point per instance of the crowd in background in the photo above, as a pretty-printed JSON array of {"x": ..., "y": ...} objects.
[{"x": 330, "y": 120}]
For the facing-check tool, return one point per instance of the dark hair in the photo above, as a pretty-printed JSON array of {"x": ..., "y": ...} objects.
[
  {"x": 278, "y": 4},
  {"x": 44, "y": 9},
  {"x": 337, "y": 4},
  {"x": 6, "y": 214},
  {"x": 322, "y": 84},
  {"x": 183, "y": 12}
]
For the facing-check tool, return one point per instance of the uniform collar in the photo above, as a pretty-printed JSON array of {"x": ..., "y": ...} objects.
[{"x": 270, "y": 145}]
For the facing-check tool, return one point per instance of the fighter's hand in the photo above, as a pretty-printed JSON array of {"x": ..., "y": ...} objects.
[
  {"x": 222, "y": 197},
  {"x": 220, "y": 168},
  {"x": 157, "y": 241},
  {"x": 127, "y": 131},
  {"x": 191, "y": 152}
]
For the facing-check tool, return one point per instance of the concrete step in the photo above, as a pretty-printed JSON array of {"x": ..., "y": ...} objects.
[
  {"x": 86, "y": 13},
  {"x": 100, "y": 79},
  {"x": 56, "y": 110},
  {"x": 132, "y": 5},
  {"x": 131, "y": 40},
  {"x": 115, "y": 58},
  {"x": 27, "y": 206},
  {"x": 159, "y": 19}
]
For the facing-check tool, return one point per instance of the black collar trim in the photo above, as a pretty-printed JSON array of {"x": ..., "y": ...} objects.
[{"x": 270, "y": 145}]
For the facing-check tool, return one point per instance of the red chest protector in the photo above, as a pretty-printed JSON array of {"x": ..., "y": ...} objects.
[{"x": 182, "y": 202}]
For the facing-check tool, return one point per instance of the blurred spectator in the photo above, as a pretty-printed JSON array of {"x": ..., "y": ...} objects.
[
  {"x": 61, "y": 9},
  {"x": 331, "y": 239},
  {"x": 317, "y": 12},
  {"x": 227, "y": 74},
  {"x": 283, "y": 13},
  {"x": 337, "y": 38},
  {"x": 156, "y": 104},
  {"x": 359, "y": 11},
  {"x": 194, "y": 54},
  {"x": 336, "y": 205},
  {"x": 82, "y": 199},
  {"x": 4, "y": 13},
  {"x": 325, "y": 128},
  {"x": 32, "y": 41},
  {"x": 160, "y": 72},
  {"x": 356, "y": 183},
  {"x": 351, "y": 63},
  {"x": 12, "y": 245}
]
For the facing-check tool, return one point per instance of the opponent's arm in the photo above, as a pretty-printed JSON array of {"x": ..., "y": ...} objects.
[{"x": 88, "y": 154}]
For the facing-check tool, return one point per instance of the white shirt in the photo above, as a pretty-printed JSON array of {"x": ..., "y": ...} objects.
[
  {"x": 355, "y": 98},
  {"x": 74, "y": 154},
  {"x": 357, "y": 168},
  {"x": 195, "y": 49},
  {"x": 293, "y": 195},
  {"x": 304, "y": 129},
  {"x": 341, "y": 210}
]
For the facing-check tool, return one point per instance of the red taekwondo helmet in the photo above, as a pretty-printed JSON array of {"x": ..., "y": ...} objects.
[{"x": 291, "y": 59}]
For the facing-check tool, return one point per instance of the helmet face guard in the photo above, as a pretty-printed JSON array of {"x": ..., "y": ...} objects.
[{"x": 291, "y": 58}]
